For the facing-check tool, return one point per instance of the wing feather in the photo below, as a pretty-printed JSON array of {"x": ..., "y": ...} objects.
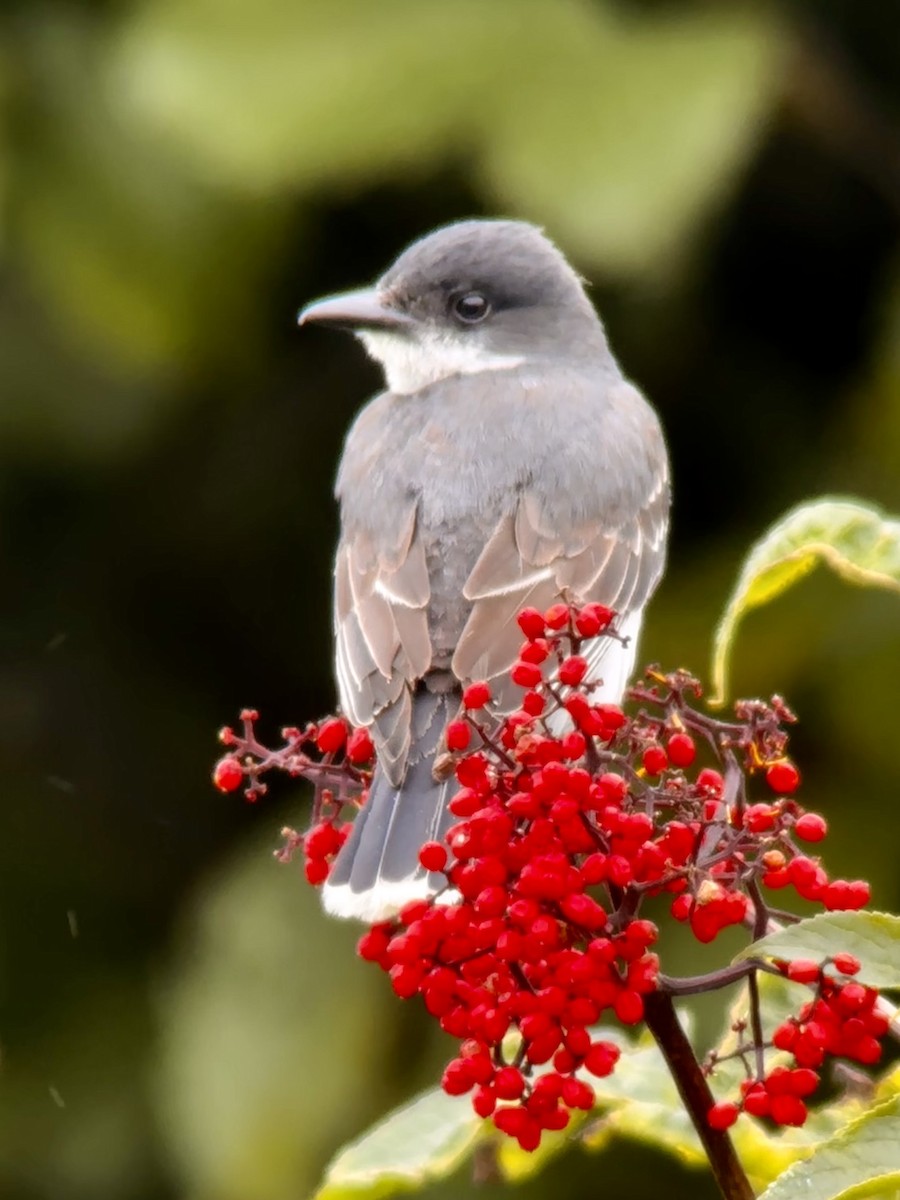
[
  {"x": 382, "y": 641},
  {"x": 616, "y": 562}
]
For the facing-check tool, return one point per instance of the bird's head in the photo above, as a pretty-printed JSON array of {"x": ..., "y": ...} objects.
[{"x": 473, "y": 296}]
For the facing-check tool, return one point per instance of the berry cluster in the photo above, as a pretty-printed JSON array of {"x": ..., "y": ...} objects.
[
  {"x": 842, "y": 1021},
  {"x": 575, "y": 823}
]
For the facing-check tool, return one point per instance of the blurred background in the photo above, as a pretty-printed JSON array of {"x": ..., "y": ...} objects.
[{"x": 178, "y": 1021}]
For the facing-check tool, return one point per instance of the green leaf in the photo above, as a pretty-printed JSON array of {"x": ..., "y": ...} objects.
[
  {"x": 279, "y": 95},
  {"x": 856, "y": 540},
  {"x": 860, "y": 1160},
  {"x": 640, "y": 1101},
  {"x": 874, "y": 938},
  {"x": 424, "y": 1140}
]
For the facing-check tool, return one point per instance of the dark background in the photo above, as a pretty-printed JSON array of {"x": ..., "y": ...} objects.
[{"x": 177, "y": 1019}]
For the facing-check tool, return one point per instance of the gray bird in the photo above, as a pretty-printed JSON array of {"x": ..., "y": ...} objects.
[{"x": 508, "y": 459}]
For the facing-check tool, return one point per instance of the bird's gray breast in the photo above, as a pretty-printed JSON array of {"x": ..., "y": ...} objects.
[{"x": 460, "y": 452}]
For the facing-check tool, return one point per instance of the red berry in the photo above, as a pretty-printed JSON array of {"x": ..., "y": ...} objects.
[
  {"x": 532, "y": 623},
  {"x": 757, "y": 1101},
  {"x": 787, "y": 1109},
  {"x": 573, "y": 670},
  {"x": 803, "y": 970},
  {"x": 681, "y": 749},
  {"x": 601, "y": 1058},
  {"x": 360, "y": 748},
  {"x": 722, "y": 1115},
  {"x": 509, "y": 1083},
  {"x": 484, "y": 1101},
  {"x": 655, "y": 760},
  {"x": 316, "y": 871},
  {"x": 526, "y": 675},
  {"x": 535, "y": 652},
  {"x": 629, "y": 1007},
  {"x": 373, "y": 944},
  {"x": 846, "y": 964},
  {"x": 711, "y": 781},
  {"x": 433, "y": 856},
  {"x": 457, "y": 1077},
  {"x": 476, "y": 695},
  {"x": 557, "y": 616},
  {"x": 323, "y": 839},
  {"x": 458, "y": 735},
  {"x": 783, "y": 777},
  {"x": 577, "y": 1094},
  {"x": 593, "y": 619},
  {"x": 332, "y": 735},
  {"x": 803, "y": 1081},
  {"x": 228, "y": 774},
  {"x": 811, "y": 827}
]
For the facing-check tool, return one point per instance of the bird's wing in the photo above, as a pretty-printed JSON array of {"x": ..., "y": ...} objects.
[
  {"x": 381, "y": 635},
  {"x": 615, "y": 557}
]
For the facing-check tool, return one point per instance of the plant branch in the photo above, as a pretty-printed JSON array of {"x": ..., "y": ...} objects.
[{"x": 663, "y": 1023}]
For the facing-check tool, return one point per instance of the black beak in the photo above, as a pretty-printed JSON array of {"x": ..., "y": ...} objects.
[{"x": 354, "y": 310}]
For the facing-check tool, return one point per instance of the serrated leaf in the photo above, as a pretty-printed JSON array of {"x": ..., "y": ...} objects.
[
  {"x": 856, "y": 540},
  {"x": 882, "y": 1187},
  {"x": 873, "y": 938},
  {"x": 864, "y": 1154},
  {"x": 424, "y": 1140}
]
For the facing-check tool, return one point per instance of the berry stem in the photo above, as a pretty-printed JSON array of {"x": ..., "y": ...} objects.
[
  {"x": 694, "y": 985},
  {"x": 663, "y": 1023},
  {"x": 756, "y": 1025}
]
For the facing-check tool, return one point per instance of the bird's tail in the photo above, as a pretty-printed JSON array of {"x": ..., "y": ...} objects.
[{"x": 377, "y": 870}]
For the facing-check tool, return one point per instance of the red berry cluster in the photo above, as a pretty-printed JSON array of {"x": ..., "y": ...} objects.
[
  {"x": 334, "y": 756},
  {"x": 574, "y": 823},
  {"x": 841, "y": 1021}
]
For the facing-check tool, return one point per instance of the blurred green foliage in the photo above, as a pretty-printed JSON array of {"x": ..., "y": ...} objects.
[{"x": 177, "y": 1020}]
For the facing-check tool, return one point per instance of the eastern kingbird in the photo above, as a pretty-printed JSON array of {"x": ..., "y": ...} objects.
[{"x": 508, "y": 459}]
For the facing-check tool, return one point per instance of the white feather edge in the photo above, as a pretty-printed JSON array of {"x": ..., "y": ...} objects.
[{"x": 381, "y": 902}]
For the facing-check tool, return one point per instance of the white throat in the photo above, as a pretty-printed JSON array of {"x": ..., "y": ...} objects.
[{"x": 412, "y": 363}]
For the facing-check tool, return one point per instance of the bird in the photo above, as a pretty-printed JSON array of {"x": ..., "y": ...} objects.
[{"x": 507, "y": 461}]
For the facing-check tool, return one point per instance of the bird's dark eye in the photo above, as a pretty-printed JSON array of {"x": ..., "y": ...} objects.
[{"x": 471, "y": 308}]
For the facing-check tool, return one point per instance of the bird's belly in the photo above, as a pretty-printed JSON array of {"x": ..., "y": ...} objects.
[{"x": 452, "y": 549}]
